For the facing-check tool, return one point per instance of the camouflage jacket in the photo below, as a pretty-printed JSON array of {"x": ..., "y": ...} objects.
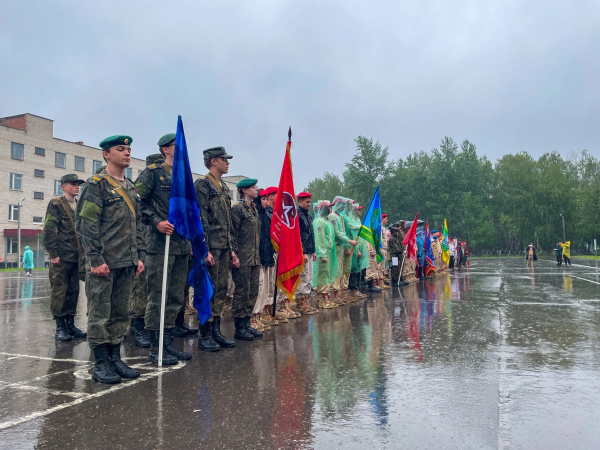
[
  {"x": 246, "y": 234},
  {"x": 60, "y": 239},
  {"x": 395, "y": 246},
  {"x": 154, "y": 188},
  {"x": 110, "y": 232},
  {"x": 215, "y": 212}
]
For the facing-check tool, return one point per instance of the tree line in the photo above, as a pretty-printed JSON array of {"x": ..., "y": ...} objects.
[{"x": 496, "y": 207}]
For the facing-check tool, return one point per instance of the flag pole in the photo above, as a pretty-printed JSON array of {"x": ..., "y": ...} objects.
[{"x": 162, "y": 301}]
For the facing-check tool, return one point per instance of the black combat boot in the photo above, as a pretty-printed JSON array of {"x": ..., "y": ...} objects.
[
  {"x": 104, "y": 371},
  {"x": 167, "y": 360},
  {"x": 179, "y": 330},
  {"x": 73, "y": 330},
  {"x": 217, "y": 336},
  {"x": 372, "y": 287},
  {"x": 137, "y": 327},
  {"x": 206, "y": 341},
  {"x": 240, "y": 329},
  {"x": 168, "y": 347},
  {"x": 252, "y": 331},
  {"x": 62, "y": 332},
  {"x": 185, "y": 326},
  {"x": 122, "y": 369}
]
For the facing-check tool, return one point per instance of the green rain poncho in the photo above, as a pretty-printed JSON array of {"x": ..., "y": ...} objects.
[
  {"x": 341, "y": 240},
  {"x": 324, "y": 273},
  {"x": 355, "y": 223}
]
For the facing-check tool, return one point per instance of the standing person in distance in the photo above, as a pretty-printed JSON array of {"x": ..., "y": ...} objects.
[
  {"x": 215, "y": 212},
  {"x": 246, "y": 244},
  {"x": 154, "y": 188},
  {"x": 62, "y": 244},
  {"x": 307, "y": 236},
  {"x": 566, "y": 253},
  {"x": 109, "y": 224},
  {"x": 530, "y": 255}
]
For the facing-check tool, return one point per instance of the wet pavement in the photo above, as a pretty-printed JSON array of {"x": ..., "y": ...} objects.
[{"x": 496, "y": 356}]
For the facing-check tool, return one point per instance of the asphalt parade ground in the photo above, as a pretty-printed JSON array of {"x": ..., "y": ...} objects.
[{"x": 498, "y": 355}]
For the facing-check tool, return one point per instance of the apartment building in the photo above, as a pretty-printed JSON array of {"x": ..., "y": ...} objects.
[{"x": 33, "y": 161}]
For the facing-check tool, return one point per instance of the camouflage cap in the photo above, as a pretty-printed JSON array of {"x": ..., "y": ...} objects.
[
  {"x": 100, "y": 169},
  {"x": 216, "y": 152},
  {"x": 70, "y": 178},
  {"x": 115, "y": 140},
  {"x": 166, "y": 139},
  {"x": 156, "y": 158}
]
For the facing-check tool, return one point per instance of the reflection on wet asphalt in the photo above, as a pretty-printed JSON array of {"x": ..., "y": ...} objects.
[{"x": 497, "y": 356}]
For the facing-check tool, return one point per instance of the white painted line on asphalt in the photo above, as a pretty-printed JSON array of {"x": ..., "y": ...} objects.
[
  {"x": 45, "y": 358},
  {"x": 117, "y": 387},
  {"x": 585, "y": 279},
  {"x": 43, "y": 390}
]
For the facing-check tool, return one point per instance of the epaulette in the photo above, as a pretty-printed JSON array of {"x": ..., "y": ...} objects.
[
  {"x": 152, "y": 166},
  {"x": 95, "y": 179}
]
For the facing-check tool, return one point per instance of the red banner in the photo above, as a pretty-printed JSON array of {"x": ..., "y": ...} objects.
[
  {"x": 285, "y": 231},
  {"x": 409, "y": 240}
]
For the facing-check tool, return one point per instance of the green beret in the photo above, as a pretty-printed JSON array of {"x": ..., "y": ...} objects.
[
  {"x": 216, "y": 152},
  {"x": 157, "y": 158},
  {"x": 166, "y": 139},
  {"x": 69, "y": 178},
  {"x": 246, "y": 182},
  {"x": 115, "y": 140}
]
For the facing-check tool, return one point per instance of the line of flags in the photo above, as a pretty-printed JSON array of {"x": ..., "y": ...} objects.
[{"x": 184, "y": 215}]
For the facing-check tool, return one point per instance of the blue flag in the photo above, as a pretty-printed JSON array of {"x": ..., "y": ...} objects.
[
  {"x": 370, "y": 229},
  {"x": 184, "y": 215},
  {"x": 430, "y": 259}
]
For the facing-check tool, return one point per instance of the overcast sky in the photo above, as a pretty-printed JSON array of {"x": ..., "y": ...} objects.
[{"x": 506, "y": 75}]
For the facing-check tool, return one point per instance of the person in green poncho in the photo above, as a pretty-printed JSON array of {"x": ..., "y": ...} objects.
[
  {"x": 359, "y": 259},
  {"x": 325, "y": 267}
]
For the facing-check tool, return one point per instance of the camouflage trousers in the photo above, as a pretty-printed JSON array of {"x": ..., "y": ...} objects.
[
  {"x": 64, "y": 292},
  {"x": 177, "y": 274},
  {"x": 219, "y": 272},
  {"x": 108, "y": 302},
  {"x": 139, "y": 297},
  {"x": 246, "y": 281}
]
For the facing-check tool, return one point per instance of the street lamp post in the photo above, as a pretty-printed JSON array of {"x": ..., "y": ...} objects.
[
  {"x": 564, "y": 236},
  {"x": 19, "y": 205}
]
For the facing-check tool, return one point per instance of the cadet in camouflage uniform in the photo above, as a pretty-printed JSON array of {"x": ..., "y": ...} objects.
[
  {"x": 109, "y": 224},
  {"x": 139, "y": 297},
  {"x": 62, "y": 244},
  {"x": 154, "y": 188},
  {"x": 396, "y": 249},
  {"x": 215, "y": 212},
  {"x": 246, "y": 244}
]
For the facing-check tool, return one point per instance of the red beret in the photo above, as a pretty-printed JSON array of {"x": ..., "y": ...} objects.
[
  {"x": 383, "y": 216},
  {"x": 268, "y": 191},
  {"x": 304, "y": 195},
  {"x": 361, "y": 207}
]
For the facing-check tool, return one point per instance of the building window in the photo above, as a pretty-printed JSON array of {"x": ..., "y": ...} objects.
[
  {"x": 139, "y": 172},
  {"x": 60, "y": 160},
  {"x": 38, "y": 173},
  {"x": 13, "y": 246},
  {"x": 13, "y": 213},
  {"x": 16, "y": 182},
  {"x": 40, "y": 151},
  {"x": 128, "y": 173},
  {"x": 38, "y": 195},
  {"x": 96, "y": 165},
  {"x": 38, "y": 219},
  {"x": 16, "y": 150},
  {"x": 80, "y": 163},
  {"x": 57, "y": 189}
]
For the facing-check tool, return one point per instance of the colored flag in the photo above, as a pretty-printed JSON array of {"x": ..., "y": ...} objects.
[
  {"x": 370, "y": 229},
  {"x": 285, "y": 230},
  {"x": 409, "y": 240},
  {"x": 184, "y": 215},
  {"x": 429, "y": 258},
  {"x": 445, "y": 246}
]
